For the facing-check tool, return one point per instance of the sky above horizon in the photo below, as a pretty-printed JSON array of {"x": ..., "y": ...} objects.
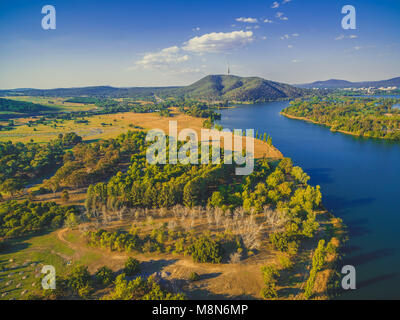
[{"x": 176, "y": 42}]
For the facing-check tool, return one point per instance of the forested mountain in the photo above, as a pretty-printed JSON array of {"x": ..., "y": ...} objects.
[
  {"x": 336, "y": 84},
  {"x": 213, "y": 87},
  {"x": 224, "y": 87}
]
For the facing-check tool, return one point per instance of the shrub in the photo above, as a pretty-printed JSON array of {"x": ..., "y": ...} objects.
[
  {"x": 132, "y": 267},
  {"x": 194, "y": 276},
  {"x": 280, "y": 241},
  {"x": 285, "y": 262},
  {"x": 270, "y": 274},
  {"x": 104, "y": 276},
  {"x": 79, "y": 281},
  {"x": 269, "y": 292}
]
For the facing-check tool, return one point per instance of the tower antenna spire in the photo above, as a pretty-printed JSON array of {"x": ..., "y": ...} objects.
[{"x": 227, "y": 62}]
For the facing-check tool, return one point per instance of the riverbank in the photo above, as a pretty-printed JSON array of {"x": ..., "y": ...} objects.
[{"x": 328, "y": 125}]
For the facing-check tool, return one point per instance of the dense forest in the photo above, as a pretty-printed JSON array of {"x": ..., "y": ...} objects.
[{"x": 369, "y": 117}]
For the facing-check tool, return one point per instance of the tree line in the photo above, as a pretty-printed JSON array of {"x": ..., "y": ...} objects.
[{"x": 369, "y": 117}]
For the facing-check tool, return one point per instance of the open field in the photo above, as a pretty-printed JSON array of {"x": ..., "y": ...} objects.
[
  {"x": 111, "y": 125},
  {"x": 57, "y": 103}
]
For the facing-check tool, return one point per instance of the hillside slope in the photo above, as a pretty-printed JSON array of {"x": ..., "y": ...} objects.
[
  {"x": 224, "y": 87},
  {"x": 336, "y": 84}
]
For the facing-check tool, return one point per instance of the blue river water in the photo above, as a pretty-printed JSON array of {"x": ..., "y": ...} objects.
[{"x": 360, "y": 182}]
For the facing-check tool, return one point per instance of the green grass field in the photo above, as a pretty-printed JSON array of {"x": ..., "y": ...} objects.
[
  {"x": 23, "y": 260},
  {"x": 57, "y": 104}
]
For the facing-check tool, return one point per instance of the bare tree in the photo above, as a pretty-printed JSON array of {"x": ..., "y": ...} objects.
[{"x": 235, "y": 257}]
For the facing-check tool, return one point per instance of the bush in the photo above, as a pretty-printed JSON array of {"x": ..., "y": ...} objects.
[
  {"x": 132, "y": 267},
  {"x": 104, "y": 276},
  {"x": 79, "y": 281},
  {"x": 205, "y": 249},
  {"x": 269, "y": 292},
  {"x": 270, "y": 274},
  {"x": 280, "y": 241},
  {"x": 194, "y": 276},
  {"x": 285, "y": 262}
]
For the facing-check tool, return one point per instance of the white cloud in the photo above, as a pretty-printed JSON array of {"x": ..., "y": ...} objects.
[
  {"x": 275, "y": 5},
  {"x": 247, "y": 20},
  {"x": 268, "y": 21},
  {"x": 281, "y": 16},
  {"x": 263, "y": 38},
  {"x": 219, "y": 41},
  {"x": 162, "y": 59},
  {"x": 295, "y": 35},
  {"x": 342, "y": 36},
  {"x": 285, "y": 36},
  {"x": 196, "y": 29},
  {"x": 290, "y": 46},
  {"x": 295, "y": 60},
  {"x": 285, "y": 1}
]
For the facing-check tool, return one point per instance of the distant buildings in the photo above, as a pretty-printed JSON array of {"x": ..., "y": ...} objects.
[{"x": 370, "y": 90}]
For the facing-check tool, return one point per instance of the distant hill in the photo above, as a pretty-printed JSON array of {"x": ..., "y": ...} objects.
[
  {"x": 337, "y": 84},
  {"x": 213, "y": 87},
  {"x": 96, "y": 91},
  {"x": 224, "y": 87}
]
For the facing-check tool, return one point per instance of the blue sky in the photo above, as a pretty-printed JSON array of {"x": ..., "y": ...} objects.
[{"x": 176, "y": 42}]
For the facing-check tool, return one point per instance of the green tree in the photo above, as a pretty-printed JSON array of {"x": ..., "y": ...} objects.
[{"x": 132, "y": 267}]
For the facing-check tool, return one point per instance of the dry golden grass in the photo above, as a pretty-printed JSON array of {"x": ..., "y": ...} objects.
[{"x": 119, "y": 124}]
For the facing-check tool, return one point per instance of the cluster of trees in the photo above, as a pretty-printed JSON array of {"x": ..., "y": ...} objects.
[
  {"x": 119, "y": 241},
  {"x": 264, "y": 137},
  {"x": 270, "y": 276},
  {"x": 84, "y": 100},
  {"x": 80, "y": 284},
  {"x": 21, "y": 218},
  {"x": 111, "y": 106},
  {"x": 89, "y": 163},
  {"x": 140, "y": 289},
  {"x": 159, "y": 186},
  {"x": 369, "y": 117},
  {"x": 202, "y": 249},
  {"x": 277, "y": 184},
  {"x": 21, "y": 106},
  {"x": 317, "y": 264},
  {"x": 21, "y": 163},
  {"x": 201, "y": 110}
]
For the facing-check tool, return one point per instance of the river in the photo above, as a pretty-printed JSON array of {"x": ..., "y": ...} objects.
[{"x": 360, "y": 181}]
